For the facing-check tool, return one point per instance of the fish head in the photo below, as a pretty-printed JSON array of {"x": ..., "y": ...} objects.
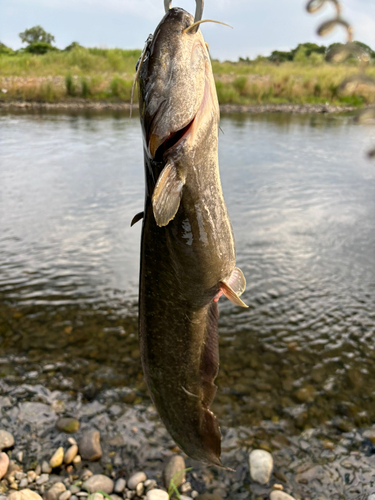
[{"x": 175, "y": 83}]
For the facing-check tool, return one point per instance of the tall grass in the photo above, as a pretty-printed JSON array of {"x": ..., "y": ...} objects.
[{"x": 94, "y": 73}]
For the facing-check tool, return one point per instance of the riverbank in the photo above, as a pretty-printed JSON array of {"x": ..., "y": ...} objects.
[
  {"x": 101, "y": 75},
  {"x": 55, "y": 443},
  {"x": 86, "y": 104}
]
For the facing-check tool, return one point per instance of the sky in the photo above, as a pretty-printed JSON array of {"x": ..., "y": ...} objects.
[{"x": 259, "y": 26}]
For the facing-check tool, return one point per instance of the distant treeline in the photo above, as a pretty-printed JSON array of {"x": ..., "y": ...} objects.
[
  {"x": 38, "y": 41},
  {"x": 306, "y": 52}
]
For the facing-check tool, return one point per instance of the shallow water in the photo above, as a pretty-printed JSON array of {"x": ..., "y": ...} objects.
[{"x": 301, "y": 196}]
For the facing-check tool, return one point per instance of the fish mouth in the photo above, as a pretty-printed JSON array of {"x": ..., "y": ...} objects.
[{"x": 158, "y": 148}]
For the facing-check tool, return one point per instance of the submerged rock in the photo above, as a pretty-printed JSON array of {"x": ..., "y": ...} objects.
[
  {"x": 89, "y": 446},
  {"x": 261, "y": 465},
  {"x": 67, "y": 424}
]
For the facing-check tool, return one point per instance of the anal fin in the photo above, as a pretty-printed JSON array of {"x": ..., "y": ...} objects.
[
  {"x": 234, "y": 286},
  {"x": 167, "y": 195},
  {"x": 137, "y": 218}
]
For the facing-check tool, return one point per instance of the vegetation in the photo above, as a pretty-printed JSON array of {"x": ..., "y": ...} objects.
[{"x": 41, "y": 72}]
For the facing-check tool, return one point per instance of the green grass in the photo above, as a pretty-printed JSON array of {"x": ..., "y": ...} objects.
[{"x": 107, "y": 74}]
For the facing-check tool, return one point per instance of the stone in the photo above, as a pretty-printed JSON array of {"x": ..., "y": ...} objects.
[
  {"x": 23, "y": 483},
  {"x": 25, "y": 494},
  {"x": 208, "y": 496},
  {"x": 139, "y": 489},
  {"x": 280, "y": 495},
  {"x": 185, "y": 487},
  {"x": 67, "y": 424},
  {"x": 70, "y": 454},
  {"x": 55, "y": 492},
  {"x": 77, "y": 460},
  {"x": 120, "y": 485},
  {"x": 89, "y": 446},
  {"x": 175, "y": 470},
  {"x": 135, "y": 479},
  {"x": 42, "y": 479},
  {"x": 31, "y": 476},
  {"x": 57, "y": 458},
  {"x": 73, "y": 497},
  {"x": 261, "y": 465},
  {"x": 72, "y": 441},
  {"x": 19, "y": 456},
  {"x": 66, "y": 495},
  {"x": 4, "y": 464},
  {"x": 184, "y": 497},
  {"x": 98, "y": 482},
  {"x": 6, "y": 440},
  {"x": 46, "y": 468},
  {"x": 98, "y": 496},
  {"x": 157, "y": 495}
]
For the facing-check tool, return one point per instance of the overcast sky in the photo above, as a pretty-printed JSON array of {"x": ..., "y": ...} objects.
[{"x": 260, "y": 26}]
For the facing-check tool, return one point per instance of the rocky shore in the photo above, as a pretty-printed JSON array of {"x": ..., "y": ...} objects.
[
  {"x": 57, "y": 447},
  {"x": 68, "y": 474},
  {"x": 87, "y": 104}
]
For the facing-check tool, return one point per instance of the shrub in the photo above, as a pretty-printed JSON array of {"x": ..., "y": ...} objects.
[
  {"x": 39, "y": 48},
  {"x": 69, "y": 84}
]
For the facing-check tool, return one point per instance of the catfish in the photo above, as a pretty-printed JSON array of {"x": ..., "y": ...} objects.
[{"x": 187, "y": 246}]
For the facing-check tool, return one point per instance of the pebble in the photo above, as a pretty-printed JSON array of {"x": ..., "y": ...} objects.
[
  {"x": 55, "y": 492},
  {"x": 139, "y": 489},
  {"x": 4, "y": 464},
  {"x": 70, "y": 454},
  {"x": 261, "y": 465},
  {"x": 280, "y": 495},
  {"x": 46, "y": 468},
  {"x": 150, "y": 483},
  {"x": 19, "y": 456},
  {"x": 157, "y": 495},
  {"x": 77, "y": 460},
  {"x": 72, "y": 441},
  {"x": 24, "y": 483},
  {"x": 42, "y": 479},
  {"x": 86, "y": 474},
  {"x": 135, "y": 479},
  {"x": 6, "y": 440},
  {"x": 57, "y": 458},
  {"x": 66, "y": 495},
  {"x": 98, "y": 496},
  {"x": 184, "y": 497},
  {"x": 98, "y": 482},
  {"x": 25, "y": 494},
  {"x": 175, "y": 470},
  {"x": 185, "y": 487},
  {"x": 89, "y": 446},
  {"x": 82, "y": 494},
  {"x": 67, "y": 424},
  {"x": 73, "y": 497},
  {"x": 31, "y": 476},
  {"x": 120, "y": 485},
  {"x": 74, "y": 488}
]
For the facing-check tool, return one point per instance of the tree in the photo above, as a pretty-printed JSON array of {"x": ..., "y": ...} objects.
[{"x": 36, "y": 34}]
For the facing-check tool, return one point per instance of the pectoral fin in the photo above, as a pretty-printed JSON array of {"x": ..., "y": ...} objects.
[
  {"x": 234, "y": 286},
  {"x": 167, "y": 195},
  {"x": 137, "y": 218}
]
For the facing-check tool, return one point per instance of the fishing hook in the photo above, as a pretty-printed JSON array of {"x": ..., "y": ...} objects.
[{"x": 198, "y": 10}]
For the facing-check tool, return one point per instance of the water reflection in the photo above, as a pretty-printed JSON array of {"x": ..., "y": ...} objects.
[{"x": 302, "y": 201}]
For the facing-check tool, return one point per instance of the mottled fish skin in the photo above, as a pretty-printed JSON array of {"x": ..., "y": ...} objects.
[{"x": 187, "y": 247}]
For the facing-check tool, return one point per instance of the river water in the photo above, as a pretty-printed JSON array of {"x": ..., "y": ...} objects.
[{"x": 301, "y": 196}]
